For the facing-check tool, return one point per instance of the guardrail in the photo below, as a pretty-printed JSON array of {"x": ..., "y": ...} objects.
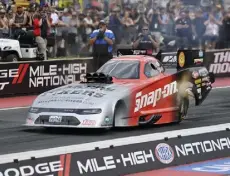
[{"x": 34, "y": 77}]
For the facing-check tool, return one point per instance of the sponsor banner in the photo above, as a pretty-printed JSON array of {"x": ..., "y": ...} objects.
[
  {"x": 51, "y": 166},
  {"x": 127, "y": 159},
  {"x": 37, "y": 77},
  {"x": 217, "y": 61},
  {"x": 169, "y": 60},
  {"x": 152, "y": 155}
]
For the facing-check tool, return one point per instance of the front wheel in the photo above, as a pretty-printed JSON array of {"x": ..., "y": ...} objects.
[{"x": 12, "y": 58}]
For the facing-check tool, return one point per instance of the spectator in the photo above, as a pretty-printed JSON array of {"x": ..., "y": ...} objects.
[
  {"x": 141, "y": 19},
  {"x": 175, "y": 6},
  {"x": 77, "y": 6},
  {"x": 82, "y": 29},
  {"x": 128, "y": 27},
  {"x": 96, "y": 21},
  {"x": 74, "y": 23},
  {"x": 3, "y": 20},
  {"x": 184, "y": 29},
  {"x": 206, "y": 3},
  {"x": 152, "y": 17},
  {"x": 46, "y": 25},
  {"x": 171, "y": 24},
  {"x": 9, "y": 16},
  {"x": 115, "y": 24},
  {"x": 105, "y": 6},
  {"x": 211, "y": 32},
  {"x": 133, "y": 14},
  {"x": 217, "y": 14},
  {"x": 37, "y": 22},
  {"x": 20, "y": 18},
  {"x": 199, "y": 28},
  {"x": 62, "y": 32},
  {"x": 163, "y": 19},
  {"x": 54, "y": 16},
  {"x": 88, "y": 22},
  {"x": 126, "y": 20},
  {"x": 146, "y": 41},
  {"x": 30, "y": 16},
  {"x": 114, "y": 4},
  {"x": 102, "y": 41},
  {"x": 33, "y": 5},
  {"x": 65, "y": 18},
  {"x": 73, "y": 32},
  {"x": 225, "y": 34}
]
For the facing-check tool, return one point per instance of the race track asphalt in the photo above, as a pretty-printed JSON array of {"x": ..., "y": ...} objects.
[{"x": 16, "y": 138}]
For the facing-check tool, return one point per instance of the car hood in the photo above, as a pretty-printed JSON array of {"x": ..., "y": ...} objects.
[{"x": 87, "y": 95}]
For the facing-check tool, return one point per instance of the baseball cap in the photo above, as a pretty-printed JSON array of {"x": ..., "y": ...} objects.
[{"x": 102, "y": 22}]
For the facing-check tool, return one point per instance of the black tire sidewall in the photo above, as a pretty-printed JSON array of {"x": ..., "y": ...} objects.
[{"x": 11, "y": 57}]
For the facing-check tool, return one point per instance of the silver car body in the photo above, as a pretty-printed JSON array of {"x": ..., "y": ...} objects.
[{"x": 98, "y": 101}]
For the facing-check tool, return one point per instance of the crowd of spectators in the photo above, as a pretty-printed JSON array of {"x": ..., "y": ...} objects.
[{"x": 199, "y": 23}]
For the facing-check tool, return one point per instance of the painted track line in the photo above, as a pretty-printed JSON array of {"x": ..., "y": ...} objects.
[
  {"x": 14, "y": 108},
  {"x": 224, "y": 87},
  {"x": 107, "y": 143}
]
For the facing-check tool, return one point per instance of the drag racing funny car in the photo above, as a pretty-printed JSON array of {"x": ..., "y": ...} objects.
[{"x": 129, "y": 90}]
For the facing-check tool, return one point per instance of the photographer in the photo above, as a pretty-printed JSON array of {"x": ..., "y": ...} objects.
[
  {"x": 102, "y": 41},
  {"x": 146, "y": 41}
]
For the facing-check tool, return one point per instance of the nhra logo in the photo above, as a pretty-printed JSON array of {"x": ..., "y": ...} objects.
[{"x": 164, "y": 153}]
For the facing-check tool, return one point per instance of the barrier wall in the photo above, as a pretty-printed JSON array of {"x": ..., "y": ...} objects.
[
  {"x": 125, "y": 159},
  {"x": 39, "y": 76}
]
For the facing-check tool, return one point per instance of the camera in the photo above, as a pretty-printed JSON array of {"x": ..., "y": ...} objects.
[{"x": 141, "y": 9}]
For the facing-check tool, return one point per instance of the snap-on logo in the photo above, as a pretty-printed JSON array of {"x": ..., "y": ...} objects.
[{"x": 153, "y": 97}]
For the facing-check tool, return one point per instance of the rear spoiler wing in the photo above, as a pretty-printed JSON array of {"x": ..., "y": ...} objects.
[{"x": 184, "y": 58}]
